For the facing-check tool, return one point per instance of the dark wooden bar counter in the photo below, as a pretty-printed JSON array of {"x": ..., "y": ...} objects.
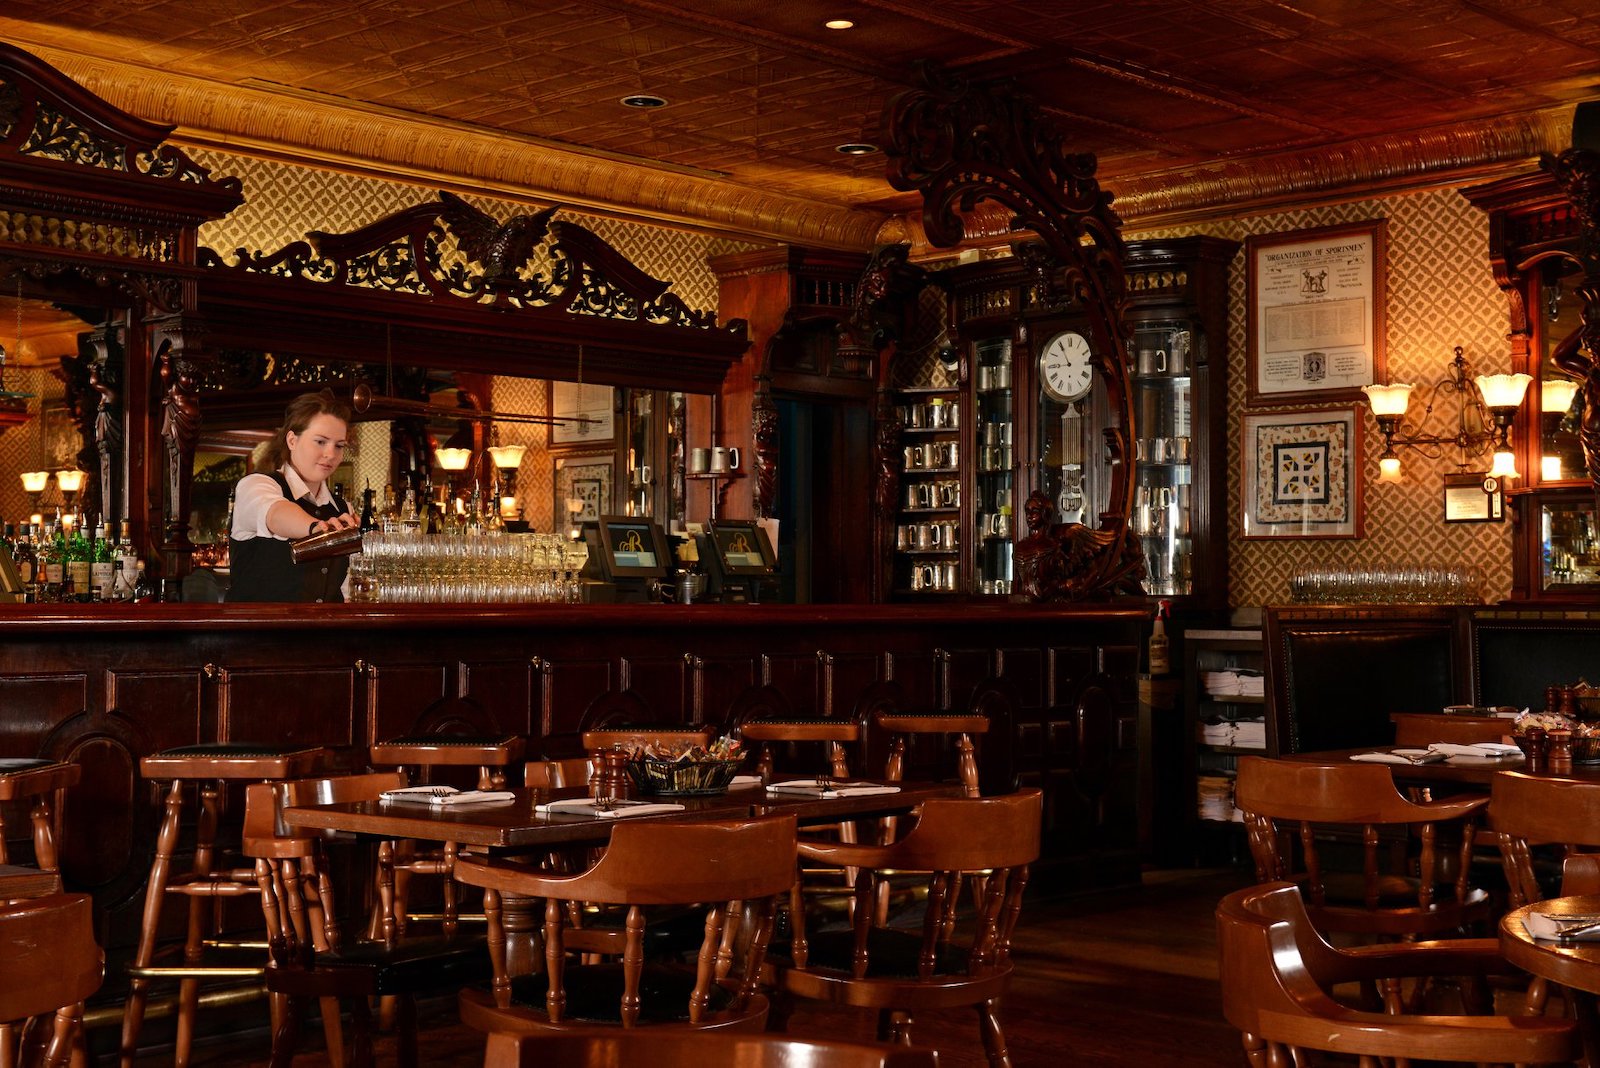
[{"x": 104, "y": 685}]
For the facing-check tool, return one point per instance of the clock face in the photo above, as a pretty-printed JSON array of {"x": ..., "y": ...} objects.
[{"x": 1066, "y": 367}]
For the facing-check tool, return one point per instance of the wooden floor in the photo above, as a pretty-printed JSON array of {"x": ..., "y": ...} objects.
[{"x": 1116, "y": 980}]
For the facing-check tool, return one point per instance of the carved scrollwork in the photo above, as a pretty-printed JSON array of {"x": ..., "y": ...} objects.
[
  {"x": 958, "y": 145},
  {"x": 764, "y": 432}
]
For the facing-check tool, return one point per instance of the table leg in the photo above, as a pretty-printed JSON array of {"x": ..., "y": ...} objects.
[
  {"x": 523, "y": 918},
  {"x": 1582, "y": 1005}
]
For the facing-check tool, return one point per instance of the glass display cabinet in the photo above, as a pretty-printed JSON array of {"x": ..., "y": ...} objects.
[
  {"x": 927, "y": 548},
  {"x": 994, "y": 466}
]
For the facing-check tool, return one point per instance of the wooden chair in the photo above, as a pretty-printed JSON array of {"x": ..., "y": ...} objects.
[
  {"x": 1419, "y": 729},
  {"x": 1277, "y": 971},
  {"x": 42, "y": 783},
  {"x": 633, "y": 735},
  {"x": 209, "y": 768},
  {"x": 835, "y": 734},
  {"x": 1306, "y": 809},
  {"x": 900, "y": 972},
  {"x": 625, "y": 1049},
  {"x": 309, "y": 957},
  {"x": 961, "y": 726},
  {"x": 557, "y": 774},
  {"x": 417, "y": 756},
  {"x": 647, "y": 864},
  {"x": 50, "y": 965}
]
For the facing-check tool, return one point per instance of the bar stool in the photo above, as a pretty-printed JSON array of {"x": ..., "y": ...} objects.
[
  {"x": 44, "y": 782},
  {"x": 657, "y": 735},
  {"x": 210, "y": 768},
  {"x": 491, "y": 754},
  {"x": 902, "y": 725}
]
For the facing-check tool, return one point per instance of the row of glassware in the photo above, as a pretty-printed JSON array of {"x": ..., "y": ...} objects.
[
  {"x": 1394, "y": 584},
  {"x": 410, "y": 568}
]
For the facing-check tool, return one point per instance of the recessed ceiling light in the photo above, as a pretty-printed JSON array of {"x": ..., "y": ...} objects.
[
  {"x": 644, "y": 100},
  {"x": 857, "y": 149},
  {"x": 838, "y": 24}
]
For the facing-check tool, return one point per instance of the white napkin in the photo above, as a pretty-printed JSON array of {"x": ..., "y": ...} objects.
[
  {"x": 1547, "y": 927},
  {"x": 447, "y": 795},
  {"x": 1400, "y": 756},
  {"x": 809, "y": 786},
  {"x": 585, "y": 806},
  {"x": 1501, "y": 750},
  {"x": 745, "y": 780}
]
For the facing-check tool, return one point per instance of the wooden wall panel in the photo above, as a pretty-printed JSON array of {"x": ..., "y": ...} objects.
[
  {"x": 289, "y": 705},
  {"x": 168, "y": 706},
  {"x": 504, "y": 689},
  {"x": 717, "y": 683},
  {"x": 34, "y": 705},
  {"x": 665, "y": 680},
  {"x": 400, "y": 695}
]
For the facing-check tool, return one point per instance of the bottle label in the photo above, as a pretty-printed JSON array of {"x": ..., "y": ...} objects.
[
  {"x": 78, "y": 571},
  {"x": 25, "y": 571},
  {"x": 100, "y": 574},
  {"x": 52, "y": 572}
]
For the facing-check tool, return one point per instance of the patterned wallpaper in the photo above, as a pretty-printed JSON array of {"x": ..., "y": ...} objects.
[
  {"x": 22, "y": 448},
  {"x": 1440, "y": 294}
]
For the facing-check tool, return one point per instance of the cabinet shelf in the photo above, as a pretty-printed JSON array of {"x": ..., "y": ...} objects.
[
  {"x": 1233, "y": 699},
  {"x": 931, "y": 511},
  {"x": 1159, "y": 378},
  {"x": 1233, "y": 750},
  {"x": 713, "y": 476},
  {"x": 922, "y": 430},
  {"x": 912, "y": 472},
  {"x": 928, "y": 552},
  {"x": 930, "y": 391}
]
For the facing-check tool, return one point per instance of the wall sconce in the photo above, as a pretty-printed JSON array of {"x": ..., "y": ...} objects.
[
  {"x": 70, "y": 482},
  {"x": 453, "y": 462},
  {"x": 1494, "y": 398},
  {"x": 507, "y": 459},
  {"x": 33, "y": 484}
]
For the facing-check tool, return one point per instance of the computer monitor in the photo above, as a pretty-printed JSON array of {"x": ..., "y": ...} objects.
[
  {"x": 742, "y": 548},
  {"x": 632, "y": 548}
]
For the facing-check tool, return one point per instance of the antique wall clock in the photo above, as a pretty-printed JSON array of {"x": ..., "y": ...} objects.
[{"x": 1066, "y": 368}]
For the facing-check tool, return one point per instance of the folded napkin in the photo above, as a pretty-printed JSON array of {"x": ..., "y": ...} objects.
[
  {"x": 1500, "y": 750},
  {"x": 809, "y": 786},
  {"x": 1400, "y": 756},
  {"x": 447, "y": 795},
  {"x": 745, "y": 780},
  {"x": 586, "y": 806},
  {"x": 1548, "y": 927}
]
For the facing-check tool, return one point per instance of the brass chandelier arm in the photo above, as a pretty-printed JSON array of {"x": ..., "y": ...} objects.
[{"x": 363, "y": 400}]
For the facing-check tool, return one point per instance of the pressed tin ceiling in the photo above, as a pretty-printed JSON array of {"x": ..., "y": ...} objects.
[{"x": 1189, "y": 105}]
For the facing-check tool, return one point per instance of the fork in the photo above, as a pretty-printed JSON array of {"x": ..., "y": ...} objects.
[{"x": 824, "y": 783}]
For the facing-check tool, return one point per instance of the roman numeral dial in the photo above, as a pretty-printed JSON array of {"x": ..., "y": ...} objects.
[{"x": 1066, "y": 367}]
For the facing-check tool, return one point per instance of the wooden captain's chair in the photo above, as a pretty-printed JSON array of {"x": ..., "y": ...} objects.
[
  {"x": 49, "y": 963},
  {"x": 650, "y": 1049},
  {"x": 1300, "y": 815},
  {"x": 1277, "y": 974}
]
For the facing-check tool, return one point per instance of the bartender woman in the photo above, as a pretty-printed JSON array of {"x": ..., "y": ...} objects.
[{"x": 289, "y": 501}]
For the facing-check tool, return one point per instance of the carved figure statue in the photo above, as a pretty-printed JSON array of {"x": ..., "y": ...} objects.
[
  {"x": 764, "y": 431},
  {"x": 180, "y": 428},
  {"x": 500, "y": 249},
  {"x": 888, "y": 457}
]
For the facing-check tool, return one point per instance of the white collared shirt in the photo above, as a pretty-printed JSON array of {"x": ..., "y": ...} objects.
[{"x": 257, "y": 493}]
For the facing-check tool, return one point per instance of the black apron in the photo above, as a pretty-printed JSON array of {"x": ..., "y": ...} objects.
[{"x": 263, "y": 569}]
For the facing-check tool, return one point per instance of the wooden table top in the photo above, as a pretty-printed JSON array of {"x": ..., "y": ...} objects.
[
  {"x": 1574, "y": 964},
  {"x": 1461, "y": 770},
  {"x": 19, "y": 882},
  {"x": 515, "y": 824}
]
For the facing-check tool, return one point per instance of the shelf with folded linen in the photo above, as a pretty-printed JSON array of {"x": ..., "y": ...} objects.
[{"x": 1233, "y": 734}]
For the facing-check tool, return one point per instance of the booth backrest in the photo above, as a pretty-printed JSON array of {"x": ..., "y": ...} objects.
[
  {"x": 1515, "y": 655},
  {"x": 1332, "y": 683}
]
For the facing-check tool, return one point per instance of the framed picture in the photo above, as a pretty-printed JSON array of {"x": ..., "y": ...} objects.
[
  {"x": 586, "y": 479},
  {"x": 1473, "y": 497},
  {"x": 1315, "y": 321},
  {"x": 1302, "y": 474},
  {"x": 59, "y": 441},
  {"x": 591, "y": 409}
]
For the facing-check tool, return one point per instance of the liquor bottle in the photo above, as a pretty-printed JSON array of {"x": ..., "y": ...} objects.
[
  {"x": 409, "y": 520},
  {"x": 53, "y": 551},
  {"x": 22, "y": 555},
  {"x": 1159, "y": 648},
  {"x": 389, "y": 514},
  {"x": 369, "y": 518},
  {"x": 100, "y": 570},
  {"x": 8, "y": 540},
  {"x": 78, "y": 563},
  {"x": 130, "y": 562},
  {"x": 119, "y": 584}
]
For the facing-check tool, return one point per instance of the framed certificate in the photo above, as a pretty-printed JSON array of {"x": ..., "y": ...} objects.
[
  {"x": 1315, "y": 322},
  {"x": 590, "y": 410}
]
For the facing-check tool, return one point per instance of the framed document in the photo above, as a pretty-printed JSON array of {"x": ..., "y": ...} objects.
[
  {"x": 591, "y": 410},
  {"x": 1302, "y": 474},
  {"x": 1315, "y": 321},
  {"x": 1473, "y": 497},
  {"x": 584, "y": 479}
]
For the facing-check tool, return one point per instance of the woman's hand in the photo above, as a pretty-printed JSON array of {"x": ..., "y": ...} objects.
[{"x": 343, "y": 521}]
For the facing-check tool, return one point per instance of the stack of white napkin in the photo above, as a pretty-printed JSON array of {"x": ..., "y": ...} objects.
[
  {"x": 447, "y": 795},
  {"x": 841, "y": 789},
  {"x": 588, "y": 806}
]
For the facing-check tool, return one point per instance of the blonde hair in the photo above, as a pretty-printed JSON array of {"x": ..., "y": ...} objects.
[{"x": 296, "y": 418}]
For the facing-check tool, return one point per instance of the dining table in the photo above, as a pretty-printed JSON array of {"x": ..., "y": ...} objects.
[
  {"x": 1575, "y": 965},
  {"x": 1471, "y": 772},
  {"x": 516, "y": 826}
]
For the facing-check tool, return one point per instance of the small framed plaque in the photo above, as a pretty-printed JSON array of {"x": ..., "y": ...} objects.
[{"x": 1473, "y": 497}]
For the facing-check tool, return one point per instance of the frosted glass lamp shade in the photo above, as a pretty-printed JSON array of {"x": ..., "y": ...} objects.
[
  {"x": 1503, "y": 391},
  {"x": 1390, "y": 400},
  {"x": 1555, "y": 395},
  {"x": 507, "y": 457},
  {"x": 1505, "y": 464},
  {"x": 453, "y": 459},
  {"x": 35, "y": 481},
  {"x": 69, "y": 481}
]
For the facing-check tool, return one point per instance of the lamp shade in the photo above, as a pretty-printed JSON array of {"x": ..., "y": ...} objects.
[
  {"x": 69, "y": 481},
  {"x": 1505, "y": 464},
  {"x": 1550, "y": 468},
  {"x": 507, "y": 457},
  {"x": 1555, "y": 394},
  {"x": 453, "y": 459},
  {"x": 1388, "y": 400},
  {"x": 35, "y": 481},
  {"x": 1503, "y": 391},
  {"x": 1389, "y": 468}
]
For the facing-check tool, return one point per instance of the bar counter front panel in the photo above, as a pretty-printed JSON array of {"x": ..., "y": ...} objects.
[{"x": 103, "y": 687}]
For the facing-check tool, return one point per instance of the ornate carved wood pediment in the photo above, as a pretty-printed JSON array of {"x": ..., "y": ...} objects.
[{"x": 445, "y": 285}]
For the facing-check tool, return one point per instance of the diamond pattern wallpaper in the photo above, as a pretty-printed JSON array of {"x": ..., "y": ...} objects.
[{"x": 1440, "y": 295}]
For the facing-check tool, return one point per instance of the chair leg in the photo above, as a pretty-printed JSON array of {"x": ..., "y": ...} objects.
[
  {"x": 189, "y": 989},
  {"x": 406, "y": 1032},
  {"x": 44, "y": 839},
  {"x": 361, "y": 1034},
  {"x": 332, "y": 1030},
  {"x": 286, "y": 1035},
  {"x": 155, "y": 894},
  {"x": 993, "y": 1035},
  {"x": 59, "y": 1051}
]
